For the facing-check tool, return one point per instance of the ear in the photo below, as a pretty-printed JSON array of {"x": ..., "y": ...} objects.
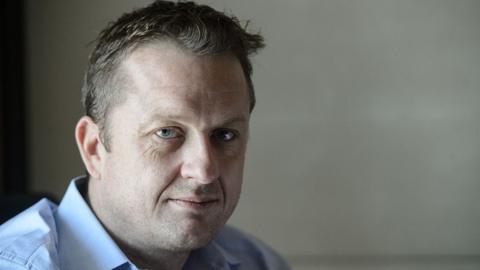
[{"x": 87, "y": 135}]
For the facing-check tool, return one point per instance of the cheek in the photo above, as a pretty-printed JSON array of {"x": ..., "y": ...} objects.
[
  {"x": 232, "y": 180},
  {"x": 120, "y": 181},
  {"x": 233, "y": 151},
  {"x": 139, "y": 178},
  {"x": 159, "y": 176},
  {"x": 158, "y": 171}
]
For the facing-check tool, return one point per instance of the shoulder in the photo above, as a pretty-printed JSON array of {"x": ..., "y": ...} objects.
[
  {"x": 251, "y": 252},
  {"x": 29, "y": 240}
]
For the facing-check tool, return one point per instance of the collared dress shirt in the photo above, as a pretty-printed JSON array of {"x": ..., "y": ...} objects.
[{"x": 69, "y": 236}]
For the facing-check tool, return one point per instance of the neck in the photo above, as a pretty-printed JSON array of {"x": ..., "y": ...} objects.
[{"x": 155, "y": 260}]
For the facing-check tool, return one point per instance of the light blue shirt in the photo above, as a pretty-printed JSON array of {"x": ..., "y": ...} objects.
[{"x": 69, "y": 236}]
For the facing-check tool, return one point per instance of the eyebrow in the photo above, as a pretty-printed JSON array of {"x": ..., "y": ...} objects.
[
  {"x": 236, "y": 119},
  {"x": 145, "y": 123}
]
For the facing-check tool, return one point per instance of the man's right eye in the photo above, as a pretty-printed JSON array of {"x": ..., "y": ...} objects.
[{"x": 167, "y": 133}]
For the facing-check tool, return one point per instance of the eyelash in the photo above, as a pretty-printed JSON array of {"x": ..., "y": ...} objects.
[
  {"x": 173, "y": 129},
  {"x": 216, "y": 134},
  {"x": 220, "y": 132}
]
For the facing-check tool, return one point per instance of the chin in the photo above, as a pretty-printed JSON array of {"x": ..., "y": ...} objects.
[
  {"x": 190, "y": 242},
  {"x": 197, "y": 237}
]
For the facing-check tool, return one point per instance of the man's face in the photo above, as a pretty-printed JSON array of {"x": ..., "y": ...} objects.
[{"x": 173, "y": 174}]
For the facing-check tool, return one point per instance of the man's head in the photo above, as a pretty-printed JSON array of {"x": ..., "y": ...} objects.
[
  {"x": 171, "y": 86},
  {"x": 196, "y": 28}
]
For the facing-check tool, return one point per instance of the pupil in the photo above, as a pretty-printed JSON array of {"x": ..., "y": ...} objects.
[
  {"x": 165, "y": 132},
  {"x": 225, "y": 135}
]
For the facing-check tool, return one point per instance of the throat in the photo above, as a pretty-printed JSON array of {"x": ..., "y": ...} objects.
[{"x": 156, "y": 260}]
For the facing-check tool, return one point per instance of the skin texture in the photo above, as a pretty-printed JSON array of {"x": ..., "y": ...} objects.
[{"x": 173, "y": 174}]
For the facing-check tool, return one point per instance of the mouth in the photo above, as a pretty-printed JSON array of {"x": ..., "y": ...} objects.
[{"x": 193, "y": 203}]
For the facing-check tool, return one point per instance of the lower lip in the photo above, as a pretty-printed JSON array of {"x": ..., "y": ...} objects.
[{"x": 193, "y": 205}]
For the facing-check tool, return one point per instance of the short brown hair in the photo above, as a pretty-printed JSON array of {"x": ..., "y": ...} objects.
[{"x": 196, "y": 28}]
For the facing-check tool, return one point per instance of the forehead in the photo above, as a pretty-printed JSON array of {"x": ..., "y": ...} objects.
[{"x": 163, "y": 77}]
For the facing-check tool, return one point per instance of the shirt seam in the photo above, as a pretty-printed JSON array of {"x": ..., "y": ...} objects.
[
  {"x": 14, "y": 259},
  {"x": 20, "y": 260}
]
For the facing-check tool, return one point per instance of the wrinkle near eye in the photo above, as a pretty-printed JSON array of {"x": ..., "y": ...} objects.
[{"x": 158, "y": 148}]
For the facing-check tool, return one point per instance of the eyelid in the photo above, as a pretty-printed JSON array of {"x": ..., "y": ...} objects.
[
  {"x": 235, "y": 133},
  {"x": 178, "y": 131}
]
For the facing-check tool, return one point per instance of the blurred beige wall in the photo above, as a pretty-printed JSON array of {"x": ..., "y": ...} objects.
[{"x": 364, "y": 150}]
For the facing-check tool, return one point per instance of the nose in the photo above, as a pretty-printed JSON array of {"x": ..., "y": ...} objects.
[{"x": 200, "y": 161}]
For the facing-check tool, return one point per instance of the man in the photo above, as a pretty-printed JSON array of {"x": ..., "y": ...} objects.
[{"x": 168, "y": 96}]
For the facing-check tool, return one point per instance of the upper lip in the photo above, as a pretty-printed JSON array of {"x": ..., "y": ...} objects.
[{"x": 195, "y": 199}]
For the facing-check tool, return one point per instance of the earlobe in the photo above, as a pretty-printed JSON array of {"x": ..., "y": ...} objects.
[{"x": 87, "y": 136}]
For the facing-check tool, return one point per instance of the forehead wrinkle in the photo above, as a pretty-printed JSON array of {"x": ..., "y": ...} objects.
[
  {"x": 176, "y": 101},
  {"x": 200, "y": 96}
]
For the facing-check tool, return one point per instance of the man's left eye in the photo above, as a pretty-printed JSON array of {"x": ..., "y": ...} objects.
[{"x": 224, "y": 135}]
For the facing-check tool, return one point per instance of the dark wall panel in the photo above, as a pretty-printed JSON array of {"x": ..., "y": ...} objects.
[{"x": 12, "y": 117}]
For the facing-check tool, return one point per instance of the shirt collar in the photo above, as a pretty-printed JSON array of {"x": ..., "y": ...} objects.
[
  {"x": 212, "y": 256},
  {"x": 83, "y": 242},
  {"x": 230, "y": 258}
]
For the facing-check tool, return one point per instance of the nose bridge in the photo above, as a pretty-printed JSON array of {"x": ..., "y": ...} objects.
[{"x": 200, "y": 160}]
